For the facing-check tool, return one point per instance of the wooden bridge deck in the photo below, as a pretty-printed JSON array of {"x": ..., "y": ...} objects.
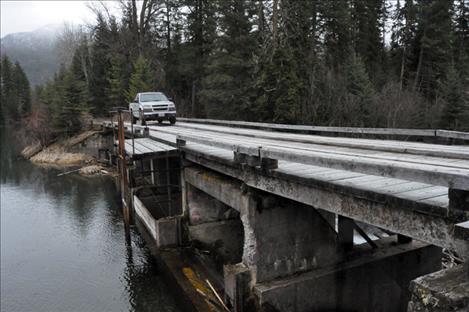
[
  {"x": 406, "y": 176},
  {"x": 143, "y": 147}
]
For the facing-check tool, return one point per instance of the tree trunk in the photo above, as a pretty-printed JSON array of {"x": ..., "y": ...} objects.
[
  {"x": 193, "y": 104},
  {"x": 274, "y": 23},
  {"x": 401, "y": 76},
  {"x": 419, "y": 68},
  {"x": 168, "y": 27}
]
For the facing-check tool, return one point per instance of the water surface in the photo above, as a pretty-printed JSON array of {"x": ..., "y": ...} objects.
[{"x": 63, "y": 245}]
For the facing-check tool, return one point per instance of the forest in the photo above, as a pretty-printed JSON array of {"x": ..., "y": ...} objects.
[{"x": 364, "y": 63}]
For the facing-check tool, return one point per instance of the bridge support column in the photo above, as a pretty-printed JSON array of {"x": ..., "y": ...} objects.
[
  {"x": 345, "y": 229},
  {"x": 283, "y": 238},
  {"x": 292, "y": 259}
]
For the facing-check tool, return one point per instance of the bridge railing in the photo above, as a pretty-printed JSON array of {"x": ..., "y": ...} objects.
[{"x": 429, "y": 133}]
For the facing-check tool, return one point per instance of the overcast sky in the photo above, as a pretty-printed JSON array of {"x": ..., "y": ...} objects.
[{"x": 19, "y": 16}]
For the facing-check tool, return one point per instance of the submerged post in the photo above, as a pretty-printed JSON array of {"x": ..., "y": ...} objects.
[{"x": 123, "y": 173}]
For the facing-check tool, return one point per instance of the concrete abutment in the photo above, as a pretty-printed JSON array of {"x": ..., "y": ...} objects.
[{"x": 292, "y": 257}]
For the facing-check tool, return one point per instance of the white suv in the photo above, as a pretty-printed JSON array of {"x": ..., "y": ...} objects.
[{"x": 153, "y": 106}]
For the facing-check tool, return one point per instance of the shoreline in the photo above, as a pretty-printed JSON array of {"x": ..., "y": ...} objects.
[{"x": 67, "y": 154}]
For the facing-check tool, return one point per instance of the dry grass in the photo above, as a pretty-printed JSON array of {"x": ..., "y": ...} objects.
[
  {"x": 56, "y": 154},
  {"x": 61, "y": 158}
]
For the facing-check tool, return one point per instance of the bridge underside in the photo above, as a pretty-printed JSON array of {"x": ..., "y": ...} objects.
[{"x": 284, "y": 255}]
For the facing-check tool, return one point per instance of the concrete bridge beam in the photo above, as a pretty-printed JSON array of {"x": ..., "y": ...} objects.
[{"x": 281, "y": 237}]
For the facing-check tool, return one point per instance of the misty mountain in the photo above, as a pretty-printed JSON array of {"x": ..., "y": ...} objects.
[{"x": 36, "y": 51}]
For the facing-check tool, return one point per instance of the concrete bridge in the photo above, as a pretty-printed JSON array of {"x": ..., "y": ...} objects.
[{"x": 306, "y": 218}]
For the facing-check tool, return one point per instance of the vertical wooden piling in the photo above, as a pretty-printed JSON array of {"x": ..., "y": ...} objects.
[{"x": 124, "y": 185}]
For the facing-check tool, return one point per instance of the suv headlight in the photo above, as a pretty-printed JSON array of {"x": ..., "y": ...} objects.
[{"x": 171, "y": 107}]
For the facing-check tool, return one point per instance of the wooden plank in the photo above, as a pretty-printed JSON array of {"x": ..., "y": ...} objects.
[
  {"x": 337, "y": 175},
  {"x": 385, "y": 183},
  {"x": 383, "y": 145},
  {"x": 337, "y": 150},
  {"x": 143, "y": 149},
  {"x": 158, "y": 145},
  {"x": 409, "y": 171},
  {"x": 403, "y": 187},
  {"x": 129, "y": 149},
  {"x": 144, "y": 215},
  {"x": 420, "y": 194},
  {"x": 293, "y": 136},
  {"x": 387, "y": 131},
  {"x": 350, "y": 130},
  {"x": 155, "y": 149},
  {"x": 450, "y": 177},
  {"x": 442, "y": 201},
  {"x": 306, "y": 172},
  {"x": 453, "y": 134},
  {"x": 360, "y": 180}
]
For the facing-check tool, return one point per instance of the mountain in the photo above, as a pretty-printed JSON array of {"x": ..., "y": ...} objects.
[{"x": 36, "y": 51}]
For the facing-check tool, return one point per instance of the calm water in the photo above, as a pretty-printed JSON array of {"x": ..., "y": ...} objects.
[{"x": 63, "y": 245}]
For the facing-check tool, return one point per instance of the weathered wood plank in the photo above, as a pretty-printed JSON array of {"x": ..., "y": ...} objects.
[
  {"x": 442, "y": 201},
  {"x": 436, "y": 175},
  {"x": 375, "y": 145},
  {"x": 424, "y": 173},
  {"x": 420, "y": 194},
  {"x": 351, "y": 130},
  {"x": 336, "y": 149}
]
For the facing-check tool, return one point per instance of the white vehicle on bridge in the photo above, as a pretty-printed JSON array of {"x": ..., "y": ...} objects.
[{"x": 152, "y": 106}]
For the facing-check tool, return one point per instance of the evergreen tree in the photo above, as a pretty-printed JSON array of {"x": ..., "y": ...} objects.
[
  {"x": 116, "y": 94},
  {"x": 456, "y": 111},
  {"x": 15, "y": 91},
  {"x": 398, "y": 46},
  {"x": 337, "y": 31},
  {"x": 368, "y": 17},
  {"x": 101, "y": 66},
  {"x": 461, "y": 39},
  {"x": 228, "y": 82},
  {"x": 8, "y": 89},
  {"x": 434, "y": 32},
  {"x": 23, "y": 90},
  {"x": 201, "y": 31},
  {"x": 141, "y": 80},
  {"x": 283, "y": 83},
  {"x": 277, "y": 60},
  {"x": 361, "y": 89}
]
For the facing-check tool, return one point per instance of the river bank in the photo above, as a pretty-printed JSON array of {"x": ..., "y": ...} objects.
[{"x": 78, "y": 153}]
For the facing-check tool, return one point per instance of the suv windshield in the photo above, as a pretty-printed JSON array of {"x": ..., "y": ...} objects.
[{"x": 152, "y": 97}]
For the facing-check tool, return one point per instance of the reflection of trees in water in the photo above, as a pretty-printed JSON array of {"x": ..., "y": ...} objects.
[
  {"x": 82, "y": 200},
  {"x": 144, "y": 284},
  {"x": 71, "y": 194}
]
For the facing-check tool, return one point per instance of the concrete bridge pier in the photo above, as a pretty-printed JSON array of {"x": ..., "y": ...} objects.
[{"x": 281, "y": 255}]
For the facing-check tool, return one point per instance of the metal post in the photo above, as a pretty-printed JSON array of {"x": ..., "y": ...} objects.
[
  {"x": 168, "y": 183},
  {"x": 132, "y": 130},
  {"x": 113, "y": 130}
]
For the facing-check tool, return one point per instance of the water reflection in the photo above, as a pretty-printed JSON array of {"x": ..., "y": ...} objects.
[{"x": 63, "y": 244}]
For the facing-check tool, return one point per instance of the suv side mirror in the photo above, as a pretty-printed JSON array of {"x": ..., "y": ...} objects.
[{"x": 170, "y": 98}]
